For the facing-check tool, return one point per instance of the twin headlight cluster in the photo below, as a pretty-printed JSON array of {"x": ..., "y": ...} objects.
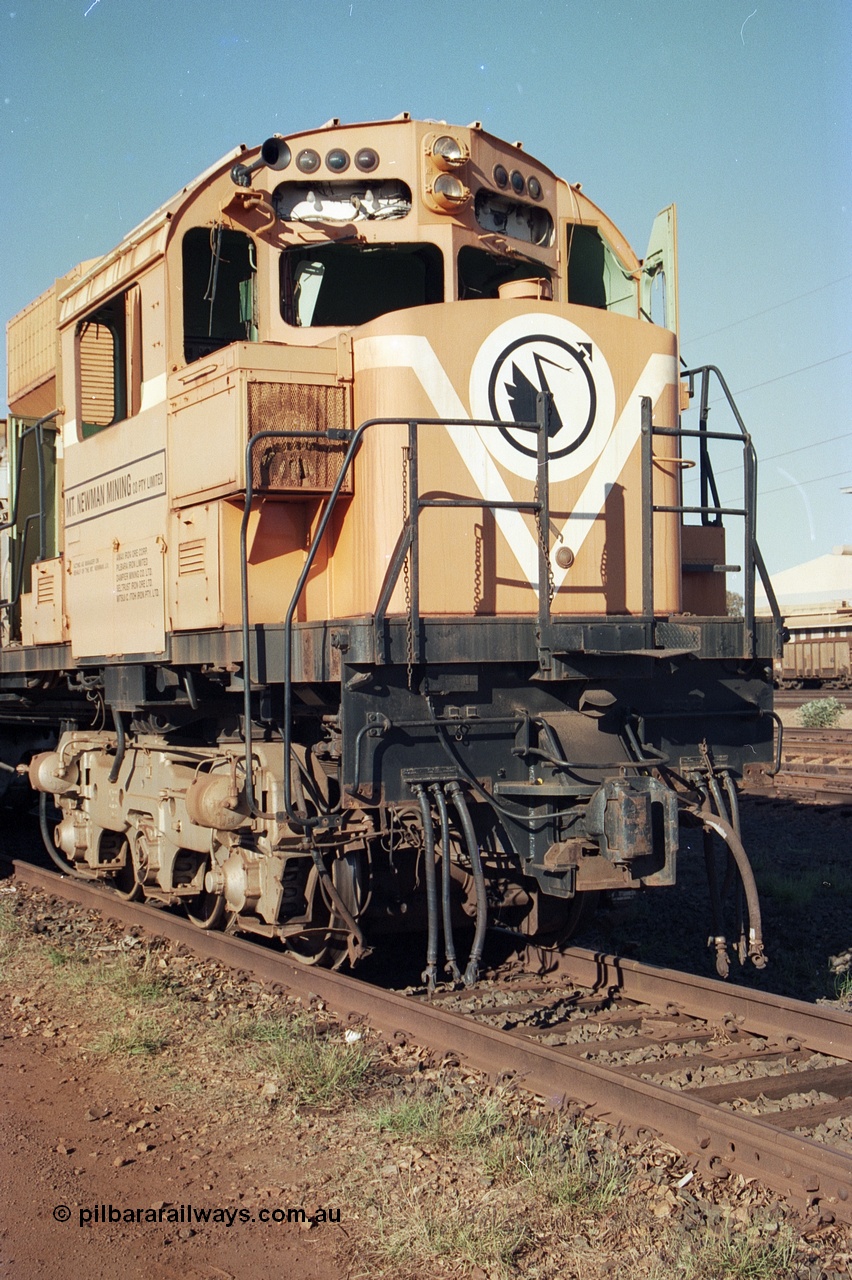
[
  {"x": 444, "y": 189},
  {"x": 446, "y": 156}
]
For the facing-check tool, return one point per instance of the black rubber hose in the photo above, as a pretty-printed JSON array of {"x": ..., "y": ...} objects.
[
  {"x": 732, "y": 840},
  {"x": 52, "y": 852},
  {"x": 719, "y": 940},
  {"x": 430, "y": 973},
  {"x": 732, "y": 876},
  {"x": 451, "y": 966},
  {"x": 120, "y": 746},
  {"x": 734, "y": 811},
  {"x": 471, "y": 973}
]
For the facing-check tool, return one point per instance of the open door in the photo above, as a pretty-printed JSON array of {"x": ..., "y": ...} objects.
[
  {"x": 29, "y": 513},
  {"x": 658, "y": 290}
]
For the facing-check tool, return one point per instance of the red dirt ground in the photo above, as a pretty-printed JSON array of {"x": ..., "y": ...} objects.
[{"x": 65, "y": 1145}]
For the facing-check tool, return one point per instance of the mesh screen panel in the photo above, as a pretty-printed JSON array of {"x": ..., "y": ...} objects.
[{"x": 297, "y": 465}]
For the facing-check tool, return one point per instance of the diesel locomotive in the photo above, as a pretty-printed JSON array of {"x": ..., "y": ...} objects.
[{"x": 362, "y": 573}]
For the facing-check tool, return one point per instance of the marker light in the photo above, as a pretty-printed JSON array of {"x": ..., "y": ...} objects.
[
  {"x": 518, "y": 183},
  {"x": 534, "y": 188},
  {"x": 337, "y": 160},
  {"x": 500, "y": 176},
  {"x": 366, "y": 159},
  {"x": 308, "y": 161}
]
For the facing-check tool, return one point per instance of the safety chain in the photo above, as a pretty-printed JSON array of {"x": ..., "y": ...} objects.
[
  {"x": 478, "y": 553},
  {"x": 542, "y": 542}
]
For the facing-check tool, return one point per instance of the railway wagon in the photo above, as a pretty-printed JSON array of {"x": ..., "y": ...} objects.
[
  {"x": 818, "y": 650},
  {"x": 350, "y": 583}
]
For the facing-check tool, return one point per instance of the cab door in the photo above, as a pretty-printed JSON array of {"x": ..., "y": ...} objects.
[{"x": 658, "y": 283}]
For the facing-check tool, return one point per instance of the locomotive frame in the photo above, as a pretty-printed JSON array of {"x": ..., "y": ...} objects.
[{"x": 390, "y": 572}]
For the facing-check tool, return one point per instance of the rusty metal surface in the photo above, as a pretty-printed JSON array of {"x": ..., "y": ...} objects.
[
  {"x": 778, "y": 1018},
  {"x": 816, "y": 767},
  {"x": 795, "y": 1166}
]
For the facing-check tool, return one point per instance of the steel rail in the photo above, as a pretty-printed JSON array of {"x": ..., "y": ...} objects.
[
  {"x": 780, "y": 1019},
  {"x": 726, "y": 1141},
  {"x": 816, "y": 765}
]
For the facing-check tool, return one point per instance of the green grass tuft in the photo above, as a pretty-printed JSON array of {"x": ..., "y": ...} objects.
[
  {"x": 821, "y": 713},
  {"x": 10, "y": 930},
  {"x": 309, "y": 1067},
  {"x": 750, "y": 1254},
  {"x": 565, "y": 1171},
  {"x": 143, "y": 1037}
]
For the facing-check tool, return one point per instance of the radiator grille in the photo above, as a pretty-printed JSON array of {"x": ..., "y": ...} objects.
[{"x": 306, "y": 466}]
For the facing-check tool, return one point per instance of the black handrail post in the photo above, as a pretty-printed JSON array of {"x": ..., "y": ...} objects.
[
  {"x": 750, "y": 504},
  {"x": 753, "y": 563},
  {"x": 42, "y": 514},
  {"x": 647, "y": 452},
  {"x": 544, "y": 406},
  {"x": 414, "y": 534},
  {"x": 703, "y": 454}
]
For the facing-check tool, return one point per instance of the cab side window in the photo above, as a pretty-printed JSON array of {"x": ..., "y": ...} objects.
[{"x": 109, "y": 362}]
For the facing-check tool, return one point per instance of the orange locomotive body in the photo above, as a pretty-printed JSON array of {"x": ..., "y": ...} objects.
[{"x": 347, "y": 531}]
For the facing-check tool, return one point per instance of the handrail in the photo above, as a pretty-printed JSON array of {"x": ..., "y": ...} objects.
[
  {"x": 407, "y": 548},
  {"x": 711, "y": 512},
  {"x": 407, "y": 540},
  {"x": 18, "y": 582}
]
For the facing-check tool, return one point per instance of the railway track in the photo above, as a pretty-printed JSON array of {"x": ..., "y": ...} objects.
[
  {"x": 791, "y": 699},
  {"x": 743, "y": 1082},
  {"x": 816, "y": 767}
]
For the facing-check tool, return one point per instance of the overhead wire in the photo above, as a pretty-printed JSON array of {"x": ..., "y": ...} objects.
[
  {"x": 766, "y": 310},
  {"x": 791, "y": 373},
  {"x": 763, "y": 493},
  {"x": 844, "y": 435},
  {"x": 798, "y": 484}
]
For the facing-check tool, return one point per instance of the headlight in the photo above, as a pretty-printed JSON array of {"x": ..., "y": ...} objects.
[
  {"x": 449, "y": 192},
  {"x": 448, "y": 153}
]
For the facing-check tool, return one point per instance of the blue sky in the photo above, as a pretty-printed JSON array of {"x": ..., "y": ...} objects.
[{"x": 741, "y": 112}]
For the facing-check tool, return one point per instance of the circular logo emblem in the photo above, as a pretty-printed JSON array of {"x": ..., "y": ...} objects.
[{"x": 540, "y": 353}]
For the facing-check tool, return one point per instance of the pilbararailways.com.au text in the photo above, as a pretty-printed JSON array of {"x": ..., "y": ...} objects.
[{"x": 192, "y": 1215}]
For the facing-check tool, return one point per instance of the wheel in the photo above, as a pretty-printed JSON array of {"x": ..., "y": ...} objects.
[
  {"x": 205, "y": 910},
  {"x": 125, "y": 882},
  {"x": 321, "y": 946}
]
